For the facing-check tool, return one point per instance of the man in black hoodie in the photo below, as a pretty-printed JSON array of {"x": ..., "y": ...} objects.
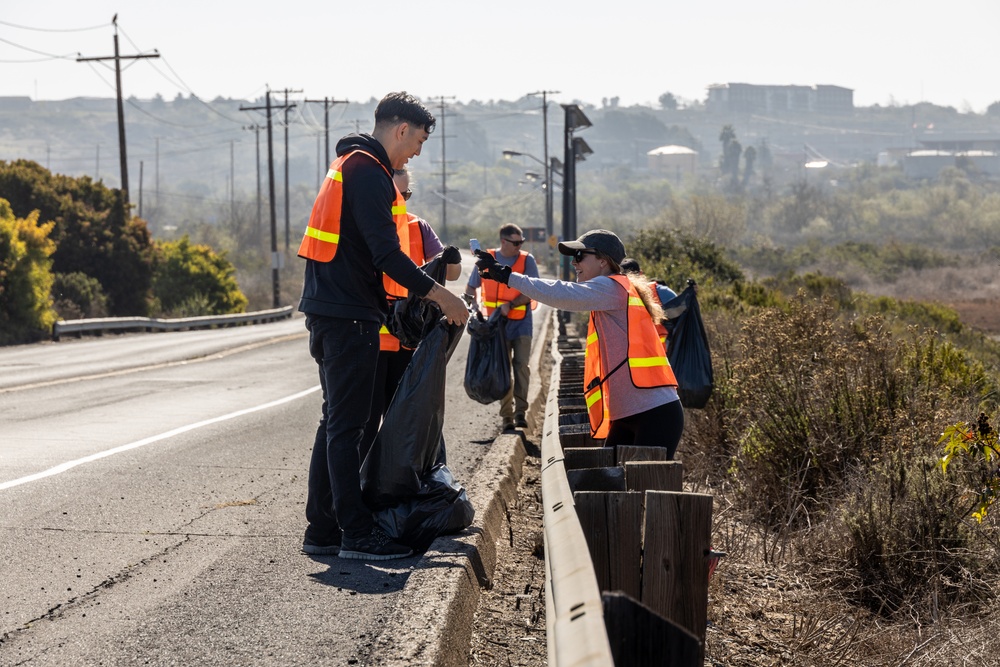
[{"x": 350, "y": 243}]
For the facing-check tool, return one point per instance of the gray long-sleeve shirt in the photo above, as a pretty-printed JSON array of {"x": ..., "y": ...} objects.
[{"x": 609, "y": 303}]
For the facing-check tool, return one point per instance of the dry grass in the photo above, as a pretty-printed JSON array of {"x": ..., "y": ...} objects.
[{"x": 787, "y": 595}]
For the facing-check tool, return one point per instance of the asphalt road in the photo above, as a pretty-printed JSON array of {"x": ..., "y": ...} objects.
[{"x": 152, "y": 492}]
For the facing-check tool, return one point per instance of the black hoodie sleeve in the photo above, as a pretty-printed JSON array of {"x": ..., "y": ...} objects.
[{"x": 369, "y": 192}]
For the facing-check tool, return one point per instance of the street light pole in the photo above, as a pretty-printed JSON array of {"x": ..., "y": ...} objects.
[
  {"x": 573, "y": 149},
  {"x": 549, "y": 224}
]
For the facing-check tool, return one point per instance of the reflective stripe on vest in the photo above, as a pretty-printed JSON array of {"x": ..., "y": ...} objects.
[
  {"x": 496, "y": 294},
  {"x": 647, "y": 361},
  {"x": 388, "y": 342},
  {"x": 322, "y": 235}
]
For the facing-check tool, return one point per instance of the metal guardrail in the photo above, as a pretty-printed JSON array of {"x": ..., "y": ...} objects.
[
  {"x": 99, "y": 325},
  {"x": 574, "y": 611}
]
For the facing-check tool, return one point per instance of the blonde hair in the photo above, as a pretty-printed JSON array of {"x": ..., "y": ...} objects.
[{"x": 641, "y": 285}]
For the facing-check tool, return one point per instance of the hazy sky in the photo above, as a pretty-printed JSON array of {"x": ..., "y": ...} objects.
[{"x": 886, "y": 50}]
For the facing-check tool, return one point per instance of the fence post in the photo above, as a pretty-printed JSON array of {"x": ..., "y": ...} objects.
[
  {"x": 678, "y": 531},
  {"x": 612, "y": 524},
  {"x": 654, "y": 476}
]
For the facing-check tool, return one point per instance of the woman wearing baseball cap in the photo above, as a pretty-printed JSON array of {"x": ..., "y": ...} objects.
[{"x": 630, "y": 388}]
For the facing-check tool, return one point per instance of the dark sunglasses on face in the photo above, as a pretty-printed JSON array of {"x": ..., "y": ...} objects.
[
  {"x": 407, "y": 194},
  {"x": 514, "y": 243},
  {"x": 578, "y": 255}
]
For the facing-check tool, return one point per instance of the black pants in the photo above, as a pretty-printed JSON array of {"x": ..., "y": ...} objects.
[
  {"x": 346, "y": 352},
  {"x": 659, "y": 427}
]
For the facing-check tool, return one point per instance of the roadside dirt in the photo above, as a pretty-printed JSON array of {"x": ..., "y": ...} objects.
[{"x": 509, "y": 626}]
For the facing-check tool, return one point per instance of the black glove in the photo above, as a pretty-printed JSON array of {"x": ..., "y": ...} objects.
[
  {"x": 491, "y": 269},
  {"x": 451, "y": 255}
]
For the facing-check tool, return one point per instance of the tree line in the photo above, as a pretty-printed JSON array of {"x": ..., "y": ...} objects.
[{"x": 69, "y": 249}]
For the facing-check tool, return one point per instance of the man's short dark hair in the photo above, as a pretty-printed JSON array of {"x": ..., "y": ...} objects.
[
  {"x": 511, "y": 228},
  {"x": 401, "y": 107}
]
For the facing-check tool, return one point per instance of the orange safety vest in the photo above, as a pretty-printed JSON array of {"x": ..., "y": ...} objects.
[
  {"x": 322, "y": 235},
  {"x": 496, "y": 294},
  {"x": 388, "y": 342},
  {"x": 647, "y": 363},
  {"x": 660, "y": 328}
]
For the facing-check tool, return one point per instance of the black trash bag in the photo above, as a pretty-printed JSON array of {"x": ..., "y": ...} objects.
[
  {"x": 403, "y": 479},
  {"x": 441, "y": 507},
  {"x": 487, "y": 369},
  {"x": 409, "y": 443},
  {"x": 687, "y": 348},
  {"x": 412, "y": 318}
]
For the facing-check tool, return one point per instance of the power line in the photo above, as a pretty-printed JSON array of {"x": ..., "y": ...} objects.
[
  {"x": 50, "y": 56},
  {"x": 25, "y": 27}
]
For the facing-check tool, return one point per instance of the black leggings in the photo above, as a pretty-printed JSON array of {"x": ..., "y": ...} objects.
[{"x": 658, "y": 427}]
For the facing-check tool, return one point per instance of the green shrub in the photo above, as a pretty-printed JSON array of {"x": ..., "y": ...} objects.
[
  {"x": 189, "y": 278},
  {"x": 25, "y": 277},
  {"x": 76, "y": 295}
]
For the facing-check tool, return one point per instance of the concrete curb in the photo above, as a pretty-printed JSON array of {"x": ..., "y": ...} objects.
[{"x": 432, "y": 624}]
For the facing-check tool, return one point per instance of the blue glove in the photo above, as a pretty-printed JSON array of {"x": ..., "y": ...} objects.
[{"x": 491, "y": 269}]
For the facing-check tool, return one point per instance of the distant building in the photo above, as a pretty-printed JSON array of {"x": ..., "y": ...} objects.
[
  {"x": 675, "y": 162},
  {"x": 760, "y": 99},
  {"x": 929, "y": 163},
  {"x": 973, "y": 151}
]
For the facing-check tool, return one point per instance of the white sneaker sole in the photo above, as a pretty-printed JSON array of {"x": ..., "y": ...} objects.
[{"x": 363, "y": 555}]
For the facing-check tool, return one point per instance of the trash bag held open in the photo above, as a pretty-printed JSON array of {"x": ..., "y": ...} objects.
[
  {"x": 404, "y": 480},
  {"x": 687, "y": 348},
  {"x": 487, "y": 369}
]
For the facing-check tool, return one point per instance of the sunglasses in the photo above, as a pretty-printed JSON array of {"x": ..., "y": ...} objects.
[
  {"x": 514, "y": 243},
  {"x": 578, "y": 255},
  {"x": 407, "y": 194}
]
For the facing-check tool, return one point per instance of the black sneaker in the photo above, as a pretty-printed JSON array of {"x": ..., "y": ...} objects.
[
  {"x": 316, "y": 548},
  {"x": 520, "y": 421},
  {"x": 374, "y": 546},
  {"x": 508, "y": 427}
]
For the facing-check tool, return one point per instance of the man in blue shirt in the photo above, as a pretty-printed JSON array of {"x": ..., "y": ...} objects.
[{"x": 516, "y": 308}]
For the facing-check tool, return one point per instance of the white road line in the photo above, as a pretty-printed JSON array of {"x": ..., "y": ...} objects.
[{"x": 63, "y": 467}]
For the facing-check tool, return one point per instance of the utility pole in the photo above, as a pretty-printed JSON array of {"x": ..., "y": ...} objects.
[
  {"x": 444, "y": 167},
  {"x": 256, "y": 130},
  {"x": 549, "y": 226},
  {"x": 288, "y": 225},
  {"x": 156, "y": 203},
  {"x": 276, "y": 259},
  {"x": 327, "y": 103},
  {"x": 121, "y": 108},
  {"x": 140, "y": 187},
  {"x": 232, "y": 182}
]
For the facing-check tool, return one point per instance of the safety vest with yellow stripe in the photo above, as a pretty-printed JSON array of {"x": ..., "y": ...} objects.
[
  {"x": 496, "y": 294},
  {"x": 660, "y": 329},
  {"x": 322, "y": 235},
  {"x": 647, "y": 362},
  {"x": 388, "y": 342}
]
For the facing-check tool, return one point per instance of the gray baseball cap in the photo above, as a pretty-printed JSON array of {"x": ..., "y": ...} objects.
[{"x": 597, "y": 239}]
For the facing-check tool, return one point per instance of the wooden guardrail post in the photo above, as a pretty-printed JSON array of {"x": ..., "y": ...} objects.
[
  {"x": 654, "y": 476},
  {"x": 678, "y": 531},
  {"x": 639, "y": 636},
  {"x": 635, "y": 453},
  {"x": 588, "y": 457},
  {"x": 612, "y": 524}
]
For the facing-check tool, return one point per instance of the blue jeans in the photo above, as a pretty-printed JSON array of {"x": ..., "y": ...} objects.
[{"x": 347, "y": 354}]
